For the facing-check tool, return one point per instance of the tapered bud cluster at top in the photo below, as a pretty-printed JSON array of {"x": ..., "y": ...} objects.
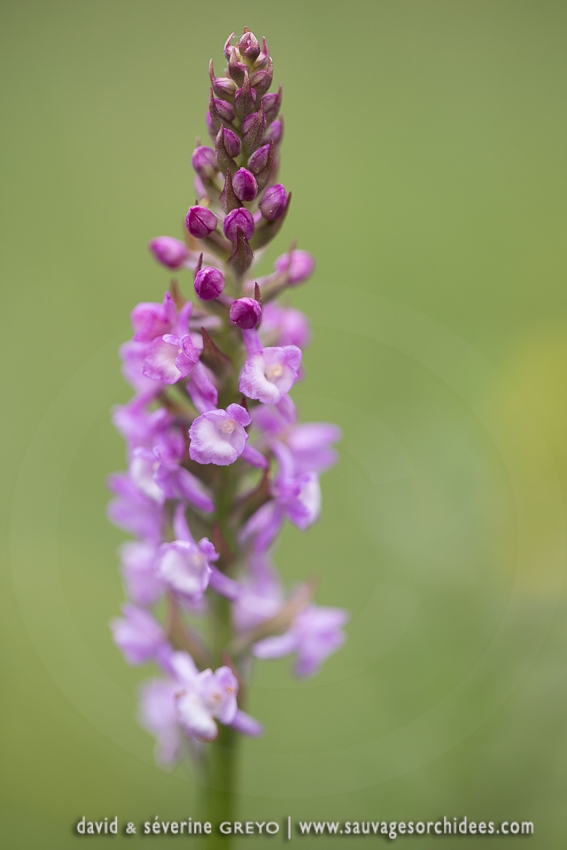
[{"x": 217, "y": 460}]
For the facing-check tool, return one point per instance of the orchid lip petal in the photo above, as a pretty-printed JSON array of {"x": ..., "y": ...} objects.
[{"x": 218, "y": 436}]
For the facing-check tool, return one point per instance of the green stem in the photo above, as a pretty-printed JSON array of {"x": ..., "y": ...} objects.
[
  {"x": 221, "y": 786},
  {"x": 220, "y": 792}
]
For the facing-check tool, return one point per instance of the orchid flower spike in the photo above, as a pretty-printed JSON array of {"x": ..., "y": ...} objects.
[{"x": 218, "y": 461}]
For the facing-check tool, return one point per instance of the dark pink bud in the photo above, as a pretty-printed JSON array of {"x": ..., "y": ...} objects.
[
  {"x": 244, "y": 185},
  {"x": 253, "y": 130},
  {"x": 275, "y": 131},
  {"x": 209, "y": 283},
  {"x": 232, "y": 143},
  {"x": 245, "y": 99},
  {"x": 274, "y": 202},
  {"x": 228, "y": 198},
  {"x": 262, "y": 80},
  {"x": 264, "y": 58},
  {"x": 227, "y": 146},
  {"x": 259, "y": 159},
  {"x": 200, "y": 222},
  {"x": 169, "y": 252},
  {"x": 223, "y": 87},
  {"x": 224, "y": 109},
  {"x": 204, "y": 162},
  {"x": 272, "y": 103},
  {"x": 249, "y": 47},
  {"x": 269, "y": 170},
  {"x": 236, "y": 219},
  {"x": 236, "y": 69},
  {"x": 246, "y": 313}
]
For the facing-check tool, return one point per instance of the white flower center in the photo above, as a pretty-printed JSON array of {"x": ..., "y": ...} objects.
[
  {"x": 228, "y": 426},
  {"x": 197, "y": 560},
  {"x": 274, "y": 372}
]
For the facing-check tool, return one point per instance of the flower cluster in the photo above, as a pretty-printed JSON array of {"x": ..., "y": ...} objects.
[{"x": 217, "y": 460}]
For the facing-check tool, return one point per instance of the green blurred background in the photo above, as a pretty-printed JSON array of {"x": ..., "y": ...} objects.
[{"x": 425, "y": 148}]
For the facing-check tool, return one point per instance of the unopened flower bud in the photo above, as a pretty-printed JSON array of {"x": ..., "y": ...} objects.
[
  {"x": 244, "y": 185},
  {"x": 236, "y": 69},
  {"x": 262, "y": 79},
  {"x": 245, "y": 99},
  {"x": 263, "y": 59},
  {"x": 223, "y": 87},
  {"x": 263, "y": 164},
  {"x": 200, "y": 222},
  {"x": 226, "y": 143},
  {"x": 259, "y": 159},
  {"x": 253, "y": 130},
  {"x": 224, "y": 109},
  {"x": 204, "y": 162},
  {"x": 232, "y": 142},
  {"x": 229, "y": 200},
  {"x": 274, "y": 202},
  {"x": 275, "y": 131},
  {"x": 299, "y": 266},
  {"x": 169, "y": 252},
  {"x": 240, "y": 218},
  {"x": 249, "y": 47},
  {"x": 272, "y": 103},
  {"x": 209, "y": 283},
  {"x": 246, "y": 313},
  {"x": 270, "y": 228}
]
